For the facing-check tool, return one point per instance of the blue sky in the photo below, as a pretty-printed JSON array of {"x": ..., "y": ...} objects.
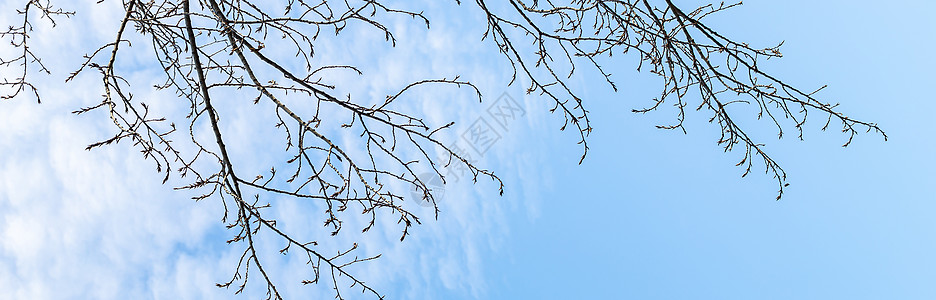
[
  {"x": 649, "y": 214},
  {"x": 661, "y": 215}
]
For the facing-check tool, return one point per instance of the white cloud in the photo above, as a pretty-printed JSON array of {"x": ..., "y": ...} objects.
[{"x": 98, "y": 224}]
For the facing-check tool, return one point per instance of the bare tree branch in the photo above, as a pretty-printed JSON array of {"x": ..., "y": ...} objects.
[{"x": 211, "y": 46}]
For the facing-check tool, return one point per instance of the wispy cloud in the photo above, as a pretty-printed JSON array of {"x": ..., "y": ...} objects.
[{"x": 98, "y": 224}]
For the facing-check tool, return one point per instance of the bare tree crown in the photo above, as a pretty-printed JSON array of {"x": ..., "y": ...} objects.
[{"x": 209, "y": 46}]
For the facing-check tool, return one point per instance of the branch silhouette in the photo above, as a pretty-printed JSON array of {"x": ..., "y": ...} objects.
[{"x": 210, "y": 46}]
